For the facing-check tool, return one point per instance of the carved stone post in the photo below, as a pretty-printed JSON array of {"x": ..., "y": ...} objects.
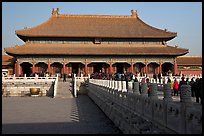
[
  {"x": 124, "y": 86},
  {"x": 144, "y": 89},
  {"x": 167, "y": 93},
  {"x": 119, "y": 85},
  {"x": 130, "y": 87},
  {"x": 153, "y": 91},
  {"x": 136, "y": 88},
  {"x": 185, "y": 96},
  {"x": 116, "y": 85}
]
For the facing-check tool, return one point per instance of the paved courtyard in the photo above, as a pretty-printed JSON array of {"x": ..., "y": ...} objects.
[{"x": 44, "y": 115}]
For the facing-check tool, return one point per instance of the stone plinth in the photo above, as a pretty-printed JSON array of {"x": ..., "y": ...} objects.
[
  {"x": 167, "y": 92},
  {"x": 136, "y": 88},
  {"x": 153, "y": 91}
]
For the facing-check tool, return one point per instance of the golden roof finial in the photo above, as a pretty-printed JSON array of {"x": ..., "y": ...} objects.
[
  {"x": 55, "y": 12},
  {"x": 134, "y": 13}
]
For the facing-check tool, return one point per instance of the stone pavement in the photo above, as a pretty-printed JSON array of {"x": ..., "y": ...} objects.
[
  {"x": 64, "y": 89},
  {"x": 45, "y": 115}
]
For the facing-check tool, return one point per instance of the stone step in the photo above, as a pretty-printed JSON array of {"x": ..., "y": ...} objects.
[{"x": 64, "y": 90}]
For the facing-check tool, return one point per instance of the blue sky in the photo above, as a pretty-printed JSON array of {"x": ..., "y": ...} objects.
[{"x": 185, "y": 18}]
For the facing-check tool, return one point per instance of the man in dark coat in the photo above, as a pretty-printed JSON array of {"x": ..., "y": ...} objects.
[
  {"x": 182, "y": 82},
  {"x": 198, "y": 90},
  {"x": 64, "y": 77},
  {"x": 193, "y": 87}
]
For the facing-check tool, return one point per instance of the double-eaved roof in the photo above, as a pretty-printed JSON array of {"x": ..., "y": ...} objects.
[
  {"x": 106, "y": 26},
  {"x": 95, "y": 49},
  {"x": 94, "y": 26}
]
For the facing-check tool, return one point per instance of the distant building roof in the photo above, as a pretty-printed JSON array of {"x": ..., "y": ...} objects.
[
  {"x": 107, "y": 26},
  {"x": 7, "y": 60},
  {"x": 189, "y": 60},
  {"x": 94, "y": 49}
]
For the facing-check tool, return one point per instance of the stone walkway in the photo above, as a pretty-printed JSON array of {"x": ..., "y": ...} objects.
[{"x": 44, "y": 115}]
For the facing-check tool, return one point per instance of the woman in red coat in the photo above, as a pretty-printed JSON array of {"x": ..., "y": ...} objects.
[{"x": 175, "y": 87}]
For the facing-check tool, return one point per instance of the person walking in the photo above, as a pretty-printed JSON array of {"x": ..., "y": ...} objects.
[
  {"x": 193, "y": 87},
  {"x": 64, "y": 77},
  {"x": 198, "y": 90},
  {"x": 175, "y": 87},
  {"x": 182, "y": 82}
]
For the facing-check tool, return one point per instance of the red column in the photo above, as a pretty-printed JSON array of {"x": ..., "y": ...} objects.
[
  {"x": 33, "y": 69},
  {"x": 160, "y": 68},
  {"x": 86, "y": 69},
  {"x": 48, "y": 68},
  {"x": 79, "y": 70},
  {"x": 17, "y": 69},
  {"x": 175, "y": 68},
  {"x": 70, "y": 68},
  {"x": 111, "y": 68},
  {"x": 63, "y": 67},
  {"x": 146, "y": 68},
  {"x": 132, "y": 68},
  {"x": 15, "y": 72}
]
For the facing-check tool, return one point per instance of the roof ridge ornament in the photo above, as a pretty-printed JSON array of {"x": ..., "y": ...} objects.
[
  {"x": 134, "y": 13},
  {"x": 55, "y": 12}
]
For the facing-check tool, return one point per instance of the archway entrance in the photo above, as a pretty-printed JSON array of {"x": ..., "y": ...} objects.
[
  {"x": 77, "y": 68},
  {"x": 41, "y": 67},
  {"x": 56, "y": 68},
  {"x": 122, "y": 67},
  {"x": 167, "y": 68},
  {"x": 26, "y": 68},
  {"x": 152, "y": 69},
  {"x": 139, "y": 68}
]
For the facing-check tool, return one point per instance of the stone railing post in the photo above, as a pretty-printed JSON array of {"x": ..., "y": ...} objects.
[
  {"x": 112, "y": 87},
  {"x": 108, "y": 84},
  {"x": 144, "y": 89},
  {"x": 185, "y": 96},
  {"x": 119, "y": 85},
  {"x": 153, "y": 91},
  {"x": 167, "y": 93},
  {"x": 116, "y": 85},
  {"x": 124, "y": 86},
  {"x": 185, "y": 99},
  {"x": 130, "y": 87},
  {"x": 136, "y": 88}
]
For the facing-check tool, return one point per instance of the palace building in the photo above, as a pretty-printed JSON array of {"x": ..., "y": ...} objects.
[{"x": 84, "y": 44}]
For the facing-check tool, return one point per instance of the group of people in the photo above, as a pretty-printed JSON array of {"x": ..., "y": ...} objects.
[
  {"x": 196, "y": 87},
  {"x": 125, "y": 76},
  {"x": 196, "y": 84}
]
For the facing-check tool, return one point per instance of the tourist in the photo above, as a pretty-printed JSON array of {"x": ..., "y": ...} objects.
[
  {"x": 175, "y": 87},
  {"x": 169, "y": 80},
  {"x": 198, "y": 90},
  {"x": 182, "y": 82},
  {"x": 193, "y": 87},
  {"x": 159, "y": 77},
  {"x": 155, "y": 77},
  {"x": 64, "y": 77},
  {"x": 148, "y": 86}
]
